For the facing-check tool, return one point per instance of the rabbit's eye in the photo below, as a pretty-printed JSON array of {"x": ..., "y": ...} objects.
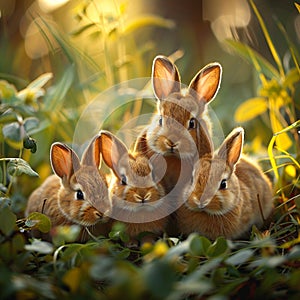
[
  {"x": 123, "y": 180},
  {"x": 192, "y": 123},
  {"x": 79, "y": 195},
  {"x": 223, "y": 184},
  {"x": 160, "y": 121}
]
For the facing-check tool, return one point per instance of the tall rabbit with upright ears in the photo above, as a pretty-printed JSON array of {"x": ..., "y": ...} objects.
[
  {"x": 228, "y": 194},
  {"x": 137, "y": 197},
  {"x": 77, "y": 193},
  {"x": 173, "y": 131}
]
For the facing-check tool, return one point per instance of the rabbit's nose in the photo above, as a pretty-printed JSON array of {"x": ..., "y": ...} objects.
[
  {"x": 142, "y": 198},
  {"x": 98, "y": 214},
  {"x": 170, "y": 144}
]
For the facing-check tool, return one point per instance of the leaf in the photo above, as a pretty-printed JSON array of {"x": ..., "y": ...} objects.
[
  {"x": 18, "y": 166},
  {"x": 40, "y": 81},
  {"x": 8, "y": 117},
  {"x": 30, "y": 124},
  {"x": 8, "y": 221},
  {"x": 199, "y": 245},
  {"x": 13, "y": 132},
  {"x": 240, "y": 257},
  {"x": 38, "y": 221},
  {"x": 40, "y": 247},
  {"x": 218, "y": 248},
  {"x": 250, "y": 54},
  {"x": 7, "y": 90},
  {"x": 250, "y": 109},
  {"x": 82, "y": 29},
  {"x": 148, "y": 20}
]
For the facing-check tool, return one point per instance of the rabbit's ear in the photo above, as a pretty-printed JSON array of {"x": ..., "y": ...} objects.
[
  {"x": 63, "y": 160},
  {"x": 112, "y": 149},
  {"x": 92, "y": 154},
  {"x": 206, "y": 83},
  {"x": 165, "y": 77},
  {"x": 231, "y": 148},
  {"x": 141, "y": 145},
  {"x": 204, "y": 142}
]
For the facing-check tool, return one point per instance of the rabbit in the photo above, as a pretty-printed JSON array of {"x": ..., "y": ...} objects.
[
  {"x": 77, "y": 193},
  {"x": 172, "y": 131},
  {"x": 136, "y": 195},
  {"x": 227, "y": 194}
]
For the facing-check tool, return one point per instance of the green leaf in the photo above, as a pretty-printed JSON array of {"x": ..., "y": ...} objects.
[
  {"x": 199, "y": 245},
  {"x": 249, "y": 53},
  {"x": 30, "y": 124},
  {"x": 38, "y": 221},
  {"x": 13, "y": 132},
  {"x": 18, "y": 166},
  {"x": 40, "y": 247},
  {"x": 219, "y": 247},
  {"x": 250, "y": 109},
  {"x": 8, "y": 221},
  {"x": 8, "y": 117},
  {"x": 7, "y": 90}
]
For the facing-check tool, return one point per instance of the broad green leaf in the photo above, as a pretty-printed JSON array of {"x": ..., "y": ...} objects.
[
  {"x": 219, "y": 247},
  {"x": 18, "y": 166},
  {"x": 148, "y": 20},
  {"x": 38, "y": 221},
  {"x": 30, "y": 124},
  {"x": 40, "y": 247},
  {"x": 199, "y": 245},
  {"x": 8, "y": 221},
  {"x": 250, "y": 109},
  {"x": 12, "y": 131},
  {"x": 248, "y": 53}
]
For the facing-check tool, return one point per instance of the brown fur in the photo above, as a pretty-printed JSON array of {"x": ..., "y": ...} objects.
[
  {"x": 174, "y": 139},
  {"x": 139, "y": 202},
  {"x": 230, "y": 212},
  {"x": 56, "y": 197}
]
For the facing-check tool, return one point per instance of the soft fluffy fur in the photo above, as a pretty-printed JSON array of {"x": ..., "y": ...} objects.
[
  {"x": 137, "y": 198},
  {"x": 56, "y": 197},
  {"x": 169, "y": 133},
  {"x": 229, "y": 212}
]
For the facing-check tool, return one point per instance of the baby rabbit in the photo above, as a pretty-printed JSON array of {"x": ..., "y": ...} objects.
[
  {"x": 137, "y": 199},
  {"x": 172, "y": 131},
  {"x": 77, "y": 193},
  {"x": 228, "y": 193}
]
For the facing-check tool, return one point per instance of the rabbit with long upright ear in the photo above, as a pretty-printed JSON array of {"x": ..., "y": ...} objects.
[
  {"x": 229, "y": 193},
  {"x": 77, "y": 193},
  {"x": 137, "y": 197},
  {"x": 173, "y": 131}
]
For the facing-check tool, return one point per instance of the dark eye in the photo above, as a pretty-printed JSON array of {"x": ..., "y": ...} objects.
[
  {"x": 160, "y": 121},
  {"x": 123, "y": 180},
  {"x": 223, "y": 184},
  {"x": 192, "y": 123},
  {"x": 79, "y": 195}
]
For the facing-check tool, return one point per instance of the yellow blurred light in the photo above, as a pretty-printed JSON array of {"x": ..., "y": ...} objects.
[{"x": 48, "y": 6}]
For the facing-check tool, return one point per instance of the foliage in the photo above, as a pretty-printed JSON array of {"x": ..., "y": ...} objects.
[{"x": 266, "y": 265}]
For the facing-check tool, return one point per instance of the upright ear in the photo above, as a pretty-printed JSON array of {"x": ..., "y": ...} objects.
[
  {"x": 204, "y": 142},
  {"x": 141, "y": 145},
  {"x": 63, "y": 160},
  {"x": 231, "y": 148},
  {"x": 112, "y": 149},
  {"x": 92, "y": 154},
  {"x": 206, "y": 83},
  {"x": 165, "y": 77}
]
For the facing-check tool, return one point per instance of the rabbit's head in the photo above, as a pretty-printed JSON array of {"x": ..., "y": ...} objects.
[
  {"x": 215, "y": 188},
  {"x": 83, "y": 196},
  {"x": 134, "y": 184},
  {"x": 174, "y": 129}
]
